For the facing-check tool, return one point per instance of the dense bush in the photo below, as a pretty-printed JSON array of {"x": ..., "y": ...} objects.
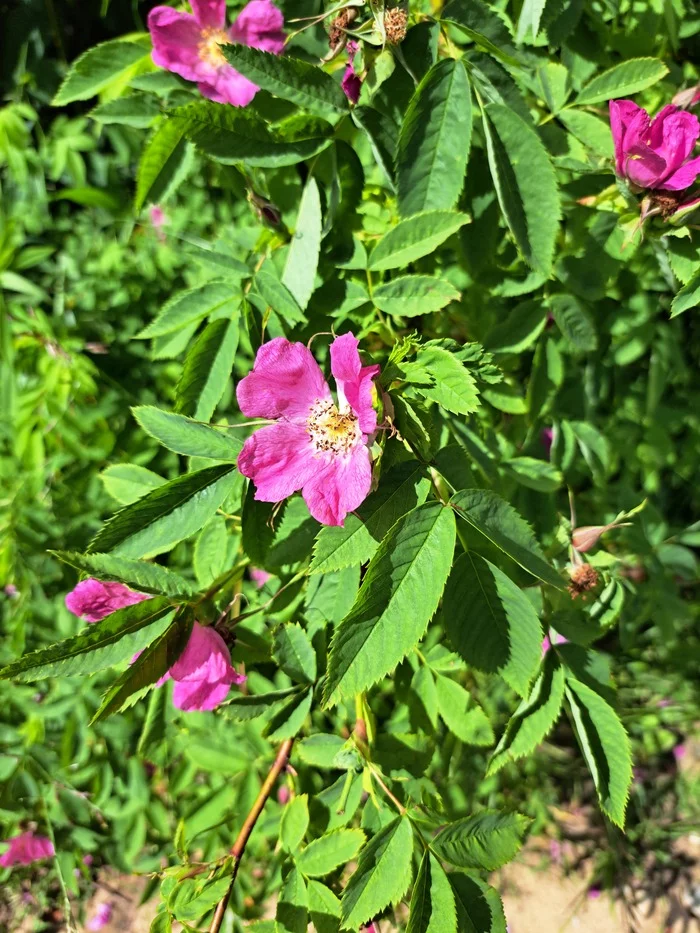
[{"x": 337, "y": 654}]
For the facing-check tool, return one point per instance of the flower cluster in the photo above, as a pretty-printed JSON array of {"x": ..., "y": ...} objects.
[
  {"x": 25, "y": 849},
  {"x": 203, "y": 674}
]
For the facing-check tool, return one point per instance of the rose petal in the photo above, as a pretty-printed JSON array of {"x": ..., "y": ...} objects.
[
  {"x": 260, "y": 26},
  {"x": 228, "y": 86},
  {"x": 340, "y": 486},
  {"x": 176, "y": 38},
  {"x": 92, "y": 599},
  {"x": 211, "y": 13},
  {"x": 354, "y": 381},
  {"x": 279, "y": 459},
  {"x": 206, "y": 658},
  {"x": 285, "y": 382}
]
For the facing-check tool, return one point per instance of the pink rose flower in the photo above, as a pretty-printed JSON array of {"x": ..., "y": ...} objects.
[
  {"x": 314, "y": 446},
  {"x": 92, "y": 600},
  {"x": 101, "y": 917},
  {"x": 25, "y": 849},
  {"x": 351, "y": 83},
  {"x": 259, "y": 577},
  {"x": 203, "y": 673},
  {"x": 188, "y": 44},
  {"x": 655, "y": 153}
]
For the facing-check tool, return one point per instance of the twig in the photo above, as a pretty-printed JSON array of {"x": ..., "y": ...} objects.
[{"x": 241, "y": 842}]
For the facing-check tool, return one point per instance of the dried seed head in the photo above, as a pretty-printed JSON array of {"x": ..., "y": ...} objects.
[
  {"x": 336, "y": 30},
  {"x": 395, "y": 21},
  {"x": 583, "y": 578}
]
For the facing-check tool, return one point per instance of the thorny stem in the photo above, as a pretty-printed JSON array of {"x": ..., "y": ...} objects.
[{"x": 241, "y": 842}]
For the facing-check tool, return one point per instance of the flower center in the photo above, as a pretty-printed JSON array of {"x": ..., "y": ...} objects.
[
  {"x": 332, "y": 430},
  {"x": 208, "y": 47}
]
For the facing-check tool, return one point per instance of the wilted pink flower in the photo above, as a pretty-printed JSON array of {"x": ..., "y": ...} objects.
[
  {"x": 189, "y": 44},
  {"x": 203, "y": 673},
  {"x": 92, "y": 599},
  {"x": 315, "y": 446},
  {"x": 687, "y": 97},
  {"x": 351, "y": 83},
  {"x": 101, "y": 917},
  {"x": 25, "y": 849},
  {"x": 557, "y": 640},
  {"x": 654, "y": 153},
  {"x": 259, "y": 577}
]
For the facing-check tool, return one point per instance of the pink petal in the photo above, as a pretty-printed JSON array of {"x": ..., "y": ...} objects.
[
  {"x": 101, "y": 917},
  {"x": 354, "y": 381},
  {"x": 684, "y": 177},
  {"x": 285, "y": 381},
  {"x": 622, "y": 112},
  {"x": 176, "y": 38},
  {"x": 228, "y": 86},
  {"x": 199, "y": 696},
  {"x": 260, "y": 26},
  {"x": 206, "y": 658},
  {"x": 279, "y": 459},
  {"x": 644, "y": 167},
  {"x": 351, "y": 85},
  {"x": 259, "y": 577},
  {"x": 211, "y": 13},
  {"x": 25, "y": 849},
  {"x": 679, "y": 132},
  {"x": 340, "y": 486},
  {"x": 93, "y": 600}
]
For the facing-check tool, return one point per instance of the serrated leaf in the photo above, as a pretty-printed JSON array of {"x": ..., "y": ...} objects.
[
  {"x": 299, "y": 274},
  {"x": 154, "y": 725},
  {"x": 432, "y": 902},
  {"x": 324, "y": 855},
  {"x": 324, "y": 908},
  {"x": 382, "y": 876},
  {"x": 138, "y": 574},
  {"x": 462, "y": 716},
  {"x": 207, "y": 370},
  {"x": 99, "y": 646},
  {"x": 127, "y": 482},
  {"x": 210, "y": 556},
  {"x": 534, "y": 718},
  {"x": 605, "y": 746},
  {"x": 151, "y": 664},
  {"x": 171, "y": 513},
  {"x": 278, "y": 297},
  {"x": 398, "y": 597},
  {"x": 330, "y": 596},
  {"x": 382, "y": 133},
  {"x": 290, "y": 717},
  {"x": 139, "y": 110},
  {"x": 191, "y": 306},
  {"x": 411, "y": 295},
  {"x": 294, "y": 653},
  {"x": 525, "y": 182},
  {"x": 688, "y": 297},
  {"x": 434, "y": 140},
  {"x": 417, "y": 236},
  {"x": 540, "y": 475},
  {"x": 423, "y": 685},
  {"x": 294, "y": 823},
  {"x": 101, "y": 65},
  {"x": 292, "y": 907},
  {"x": 498, "y": 521},
  {"x": 449, "y": 382},
  {"x": 629, "y": 77},
  {"x": 191, "y": 898},
  {"x": 165, "y": 162},
  {"x": 520, "y": 329},
  {"x": 590, "y": 130},
  {"x": 245, "y": 707},
  {"x": 574, "y": 321},
  {"x": 479, "y": 906},
  {"x": 485, "y": 841},
  {"x": 186, "y": 436},
  {"x": 328, "y": 751},
  {"x": 300, "y": 82},
  {"x": 483, "y": 26}
]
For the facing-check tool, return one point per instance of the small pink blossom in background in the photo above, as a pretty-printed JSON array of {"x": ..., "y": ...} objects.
[
  {"x": 662, "y": 704},
  {"x": 594, "y": 893},
  {"x": 546, "y": 439},
  {"x": 283, "y": 794},
  {"x": 92, "y": 599},
  {"x": 679, "y": 752},
  {"x": 259, "y": 577},
  {"x": 157, "y": 216},
  {"x": 655, "y": 153},
  {"x": 101, "y": 917},
  {"x": 202, "y": 676},
  {"x": 88, "y": 860},
  {"x": 547, "y": 641},
  {"x": 25, "y": 849},
  {"x": 314, "y": 446},
  {"x": 687, "y": 97},
  {"x": 555, "y": 850},
  {"x": 11, "y": 591},
  {"x": 188, "y": 44}
]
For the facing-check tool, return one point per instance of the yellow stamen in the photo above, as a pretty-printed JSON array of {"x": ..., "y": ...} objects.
[{"x": 208, "y": 48}]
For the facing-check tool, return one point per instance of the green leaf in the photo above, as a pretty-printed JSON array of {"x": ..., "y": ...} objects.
[
  {"x": 402, "y": 488},
  {"x": 295, "y": 654},
  {"x": 462, "y": 716},
  {"x": 330, "y": 596},
  {"x": 165, "y": 162},
  {"x": 210, "y": 557},
  {"x": 590, "y": 130},
  {"x": 449, "y": 381},
  {"x": 498, "y": 521},
  {"x": 483, "y": 26},
  {"x": 398, "y": 597},
  {"x": 432, "y": 902},
  {"x": 629, "y": 77},
  {"x": 574, "y": 321},
  {"x": 479, "y": 906},
  {"x": 485, "y": 841},
  {"x": 382, "y": 133},
  {"x": 187, "y": 437},
  {"x": 688, "y": 297},
  {"x": 244, "y": 707},
  {"x": 156, "y": 522},
  {"x": 535, "y": 716},
  {"x": 138, "y": 574},
  {"x": 139, "y": 110},
  {"x": 127, "y": 482},
  {"x": 328, "y": 752},
  {"x": 605, "y": 746},
  {"x": 295, "y": 822},
  {"x": 411, "y": 295},
  {"x": 417, "y": 236},
  {"x": 525, "y": 183},
  {"x": 292, "y": 908},
  {"x": 148, "y": 667},
  {"x": 101, "y": 65},
  {"x": 324, "y": 908},
  {"x": 423, "y": 685},
  {"x": 98, "y": 646},
  {"x": 191, "y": 898},
  {"x": 520, "y": 329},
  {"x": 540, "y": 475},
  {"x": 324, "y": 855},
  {"x": 382, "y": 876},
  {"x": 299, "y": 274},
  {"x": 290, "y": 717},
  {"x": 434, "y": 140},
  {"x": 530, "y": 17},
  {"x": 192, "y": 306},
  {"x": 300, "y": 82},
  {"x": 207, "y": 370},
  {"x": 490, "y": 622},
  {"x": 278, "y": 297},
  {"x": 155, "y": 724},
  {"x": 232, "y": 134}
]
